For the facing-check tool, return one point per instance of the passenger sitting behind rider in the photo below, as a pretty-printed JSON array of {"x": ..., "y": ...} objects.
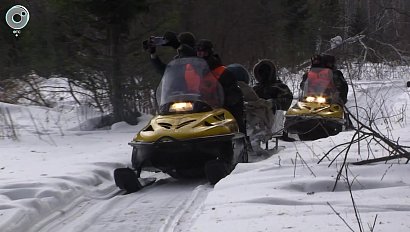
[{"x": 233, "y": 98}]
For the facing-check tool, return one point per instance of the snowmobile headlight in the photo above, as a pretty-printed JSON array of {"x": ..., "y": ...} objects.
[
  {"x": 321, "y": 100},
  {"x": 310, "y": 99},
  {"x": 181, "y": 107}
]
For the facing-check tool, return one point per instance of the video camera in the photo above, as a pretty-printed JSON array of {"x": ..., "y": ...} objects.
[
  {"x": 158, "y": 41},
  {"x": 154, "y": 41}
]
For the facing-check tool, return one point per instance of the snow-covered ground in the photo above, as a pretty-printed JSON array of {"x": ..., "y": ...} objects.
[{"x": 56, "y": 178}]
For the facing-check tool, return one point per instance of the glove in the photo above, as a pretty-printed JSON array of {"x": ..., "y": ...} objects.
[
  {"x": 172, "y": 39},
  {"x": 148, "y": 46}
]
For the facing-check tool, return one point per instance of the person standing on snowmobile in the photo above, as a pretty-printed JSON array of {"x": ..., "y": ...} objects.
[
  {"x": 270, "y": 87},
  {"x": 233, "y": 97},
  {"x": 184, "y": 43}
]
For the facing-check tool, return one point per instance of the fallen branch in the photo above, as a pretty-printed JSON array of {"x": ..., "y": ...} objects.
[{"x": 386, "y": 158}]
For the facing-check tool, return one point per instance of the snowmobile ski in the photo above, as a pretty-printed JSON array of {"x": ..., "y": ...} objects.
[{"x": 127, "y": 179}]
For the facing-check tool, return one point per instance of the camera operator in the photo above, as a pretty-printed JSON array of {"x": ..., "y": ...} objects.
[{"x": 184, "y": 43}]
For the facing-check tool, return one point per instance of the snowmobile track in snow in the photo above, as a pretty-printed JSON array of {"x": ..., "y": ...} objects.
[
  {"x": 73, "y": 210},
  {"x": 167, "y": 205},
  {"x": 187, "y": 211}
]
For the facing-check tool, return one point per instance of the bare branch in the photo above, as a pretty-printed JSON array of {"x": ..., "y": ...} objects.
[
  {"x": 356, "y": 211},
  {"x": 338, "y": 214}
]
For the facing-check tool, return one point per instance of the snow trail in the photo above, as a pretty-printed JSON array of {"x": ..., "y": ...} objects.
[{"x": 167, "y": 205}]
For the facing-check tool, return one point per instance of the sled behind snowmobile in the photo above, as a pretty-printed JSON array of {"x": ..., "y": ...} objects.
[
  {"x": 193, "y": 135},
  {"x": 319, "y": 111}
]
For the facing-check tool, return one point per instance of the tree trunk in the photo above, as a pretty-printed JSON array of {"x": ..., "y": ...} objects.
[{"x": 115, "y": 75}]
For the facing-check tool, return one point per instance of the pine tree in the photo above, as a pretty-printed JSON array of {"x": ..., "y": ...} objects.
[
  {"x": 297, "y": 38},
  {"x": 98, "y": 34}
]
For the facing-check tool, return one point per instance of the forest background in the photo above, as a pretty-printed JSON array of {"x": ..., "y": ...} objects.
[{"x": 96, "y": 44}]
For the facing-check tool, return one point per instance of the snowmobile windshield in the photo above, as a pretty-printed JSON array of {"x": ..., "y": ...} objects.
[
  {"x": 188, "y": 86},
  {"x": 319, "y": 86}
]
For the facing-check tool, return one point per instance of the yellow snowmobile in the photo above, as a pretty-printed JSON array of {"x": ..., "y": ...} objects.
[
  {"x": 319, "y": 111},
  {"x": 192, "y": 135}
]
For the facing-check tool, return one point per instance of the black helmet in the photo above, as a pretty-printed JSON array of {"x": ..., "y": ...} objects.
[
  {"x": 187, "y": 38},
  {"x": 172, "y": 39},
  {"x": 205, "y": 45},
  {"x": 240, "y": 72},
  {"x": 264, "y": 71}
]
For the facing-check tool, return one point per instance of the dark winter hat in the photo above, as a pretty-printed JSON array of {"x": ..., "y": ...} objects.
[
  {"x": 264, "y": 71},
  {"x": 172, "y": 39},
  {"x": 187, "y": 38},
  {"x": 240, "y": 72},
  {"x": 316, "y": 60},
  {"x": 205, "y": 45}
]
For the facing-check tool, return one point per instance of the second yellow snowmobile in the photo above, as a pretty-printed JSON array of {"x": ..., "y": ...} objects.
[{"x": 319, "y": 111}]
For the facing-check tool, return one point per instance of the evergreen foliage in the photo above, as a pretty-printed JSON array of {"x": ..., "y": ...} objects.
[{"x": 97, "y": 43}]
